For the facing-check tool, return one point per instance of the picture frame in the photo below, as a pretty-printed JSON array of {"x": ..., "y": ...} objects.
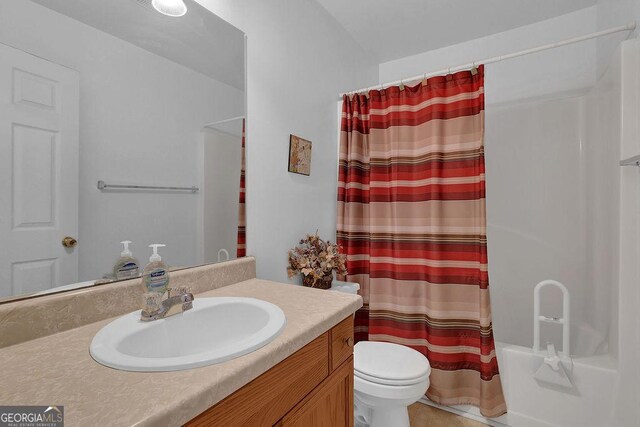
[{"x": 299, "y": 155}]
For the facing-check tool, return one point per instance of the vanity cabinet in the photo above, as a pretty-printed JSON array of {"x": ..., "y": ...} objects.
[
  {"x": 313, "y": 386},
  {"x": 331, "y": 404}
]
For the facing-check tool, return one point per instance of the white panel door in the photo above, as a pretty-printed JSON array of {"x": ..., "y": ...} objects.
[{"x": 38, "y": 172}]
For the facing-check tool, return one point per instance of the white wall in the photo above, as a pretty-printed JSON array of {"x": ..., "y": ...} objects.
[
  {"x": 128, "y": 98},
  {"x": 564, "y": 69},
  {"x": 298, "y": 60},
  {"x": 220, "y": 190}
]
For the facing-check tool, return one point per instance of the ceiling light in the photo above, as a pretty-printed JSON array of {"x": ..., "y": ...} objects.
[{"x": 170, "y": 7}]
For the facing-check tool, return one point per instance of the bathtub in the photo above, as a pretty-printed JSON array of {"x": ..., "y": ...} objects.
[{"x": 530, "y": 404}]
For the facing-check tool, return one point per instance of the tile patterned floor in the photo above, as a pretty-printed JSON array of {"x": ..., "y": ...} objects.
[{"x": 421, "y": 415}]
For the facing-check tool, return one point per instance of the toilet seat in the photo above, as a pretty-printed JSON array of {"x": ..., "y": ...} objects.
[
  {"x": 389, "y": 364},
  {"x": 390, "y": 381}
]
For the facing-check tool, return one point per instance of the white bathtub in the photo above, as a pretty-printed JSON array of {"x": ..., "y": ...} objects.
[{"x": 530, "y": 404}]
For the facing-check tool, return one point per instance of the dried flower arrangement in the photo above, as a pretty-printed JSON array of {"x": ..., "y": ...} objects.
[{"x": 316, "y": 260}]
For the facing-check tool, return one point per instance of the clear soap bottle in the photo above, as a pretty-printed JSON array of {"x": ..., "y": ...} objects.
[
  {"x": 126, "y": 267},
  {"x": 155, "y": 276}
]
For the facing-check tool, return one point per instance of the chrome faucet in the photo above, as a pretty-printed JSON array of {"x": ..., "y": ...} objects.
[{"x": 179, "y": 303}]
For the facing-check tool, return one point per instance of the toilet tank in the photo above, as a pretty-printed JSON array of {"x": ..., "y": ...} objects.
[{"x": 347, "y": 287}]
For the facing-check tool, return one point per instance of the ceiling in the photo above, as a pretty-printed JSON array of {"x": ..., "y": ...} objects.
[
  {"x": 392, "y": 29},
  {"x": 198, "y": 40}
]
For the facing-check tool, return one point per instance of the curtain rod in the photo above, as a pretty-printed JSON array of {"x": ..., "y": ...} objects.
[{"x": 629, "y": 27}]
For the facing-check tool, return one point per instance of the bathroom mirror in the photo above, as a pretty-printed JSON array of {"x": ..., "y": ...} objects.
[{"x": 117, "y": 123}]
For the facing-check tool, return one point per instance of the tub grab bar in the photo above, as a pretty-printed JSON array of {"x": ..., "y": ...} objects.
[
  {"x": 564, "y": 320},
  {"x": 224, "y": 252}
]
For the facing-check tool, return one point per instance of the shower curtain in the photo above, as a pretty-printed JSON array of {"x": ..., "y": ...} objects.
[
  {"x": 241, "y": 250},
  {"x": 411, "y": 219}
]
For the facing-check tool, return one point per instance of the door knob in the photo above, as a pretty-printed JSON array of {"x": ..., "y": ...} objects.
[{"x": 69, "y": 242}]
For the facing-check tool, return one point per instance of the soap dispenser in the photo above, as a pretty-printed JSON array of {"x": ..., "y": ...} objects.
[
  {"x": 155, "y": 276},
  {"x": 126, "y": 267}
]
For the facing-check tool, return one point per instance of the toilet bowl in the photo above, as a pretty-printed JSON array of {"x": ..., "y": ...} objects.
[{"x": 388, "y": 378}]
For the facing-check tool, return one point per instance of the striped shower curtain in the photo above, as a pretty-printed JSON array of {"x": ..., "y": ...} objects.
[
  {"x": 241, "y": 250},
  {"x": 411, "y": 218}
]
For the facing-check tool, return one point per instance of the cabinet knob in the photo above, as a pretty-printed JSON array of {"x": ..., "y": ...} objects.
[{"x": 349, "y": 341}]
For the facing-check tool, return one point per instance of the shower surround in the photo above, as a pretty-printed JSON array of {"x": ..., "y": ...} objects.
[{"x": 560, "y": 207}]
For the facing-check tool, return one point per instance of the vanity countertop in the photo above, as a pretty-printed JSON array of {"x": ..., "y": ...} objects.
[{"x": 58, "y": 369}]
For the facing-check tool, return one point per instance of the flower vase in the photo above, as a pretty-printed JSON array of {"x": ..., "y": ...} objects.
[{"x": 322, "y": 283}]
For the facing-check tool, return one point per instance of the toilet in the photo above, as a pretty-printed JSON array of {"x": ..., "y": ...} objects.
[{"x": 388, "y": 378}]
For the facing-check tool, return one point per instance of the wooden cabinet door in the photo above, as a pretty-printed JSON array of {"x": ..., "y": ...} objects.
[
  {"x": 330, "y": 405},
  {"x": 341, "y": 343},
  {"x": 278, "y": 391}
]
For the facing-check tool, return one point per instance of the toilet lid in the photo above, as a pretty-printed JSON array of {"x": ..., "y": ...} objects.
[{"x": 386, "y": 363}]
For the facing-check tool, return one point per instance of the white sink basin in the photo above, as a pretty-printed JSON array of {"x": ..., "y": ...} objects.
[{"x": 213, "y": 331}]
